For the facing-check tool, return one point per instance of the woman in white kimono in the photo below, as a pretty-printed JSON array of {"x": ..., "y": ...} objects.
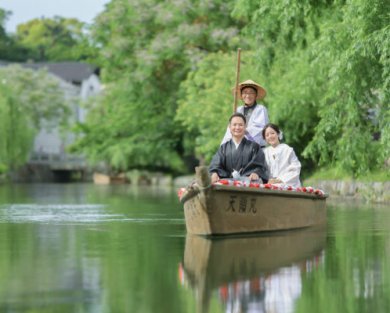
[
  {"x": 255, "y": 113},
  {"x": 283, "y": 165}
]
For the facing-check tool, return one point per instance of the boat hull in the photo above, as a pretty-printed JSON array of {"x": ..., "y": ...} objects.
[{"x": 223, "y": 210}]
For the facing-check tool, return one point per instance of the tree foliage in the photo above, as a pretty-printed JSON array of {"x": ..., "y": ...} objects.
[
  {"x": 56, "y": 39},
  {"x": 46, "y": 39},
  {"x": 27, "y": 98},
  {"x": 148, "y": 48},
  {"x": 328, "y": 70},
  {"x": 168, "y": 69},
  {"x": 9, "y": 47}
]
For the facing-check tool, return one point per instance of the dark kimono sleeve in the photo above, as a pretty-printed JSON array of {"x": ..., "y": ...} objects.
[
  {"x": 256, "y": 163},
  {"x": 218, "y": 163}
]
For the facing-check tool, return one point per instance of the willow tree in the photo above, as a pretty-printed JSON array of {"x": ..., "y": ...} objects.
[
  {"x": 327, "y": 66},
  {"x": 15, "y": 132},
  {"x": 27, "y": 99},
  {"x": 147, "y": 49}
]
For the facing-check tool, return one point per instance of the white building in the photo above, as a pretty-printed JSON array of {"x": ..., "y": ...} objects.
[
  {"x": 49, "y": 160},
  {"x": 79, "y": 81}
]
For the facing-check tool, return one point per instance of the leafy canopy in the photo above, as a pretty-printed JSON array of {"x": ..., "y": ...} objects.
[
  {"x": 147, "y": 49},
  {"x": 55, "y": 39},
  {"x": 327, "y": 64},
  {"x": 169, "y": 67}
]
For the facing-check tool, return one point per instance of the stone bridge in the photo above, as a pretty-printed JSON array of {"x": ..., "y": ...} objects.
[{"x": 54, "y": 168}]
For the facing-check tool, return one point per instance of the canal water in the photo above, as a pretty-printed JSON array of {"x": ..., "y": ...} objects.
[{"x": 99, "y": 249}]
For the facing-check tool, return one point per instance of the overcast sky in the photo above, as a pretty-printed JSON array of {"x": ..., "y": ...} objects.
[{"x": 25, "y": 10}]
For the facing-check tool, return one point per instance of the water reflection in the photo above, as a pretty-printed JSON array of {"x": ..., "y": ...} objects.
[
  {"x": 251, "y": 274},
  {"x": 85, "y": 248}
]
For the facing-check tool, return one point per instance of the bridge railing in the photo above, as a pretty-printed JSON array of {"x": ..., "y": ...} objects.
[{"x": 59, "y": 161}]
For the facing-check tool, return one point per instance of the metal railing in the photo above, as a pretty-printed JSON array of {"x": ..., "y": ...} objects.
[{"x": 58, "y": 161}]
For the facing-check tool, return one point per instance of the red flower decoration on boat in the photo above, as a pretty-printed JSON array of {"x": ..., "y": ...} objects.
[{"x": 180, "y": 192}]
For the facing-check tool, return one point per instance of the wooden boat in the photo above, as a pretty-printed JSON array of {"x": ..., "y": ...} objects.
[
  {"x": 104, "y": 179},
  {"x": 222, "y": 210},
  {"x": 214, "y": 263}
]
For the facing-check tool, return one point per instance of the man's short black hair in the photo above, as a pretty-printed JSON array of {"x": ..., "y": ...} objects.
[{"x": 238, "y": 115}]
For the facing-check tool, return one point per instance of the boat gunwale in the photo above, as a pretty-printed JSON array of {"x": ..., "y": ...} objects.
[{"x": 282, "y": 193}]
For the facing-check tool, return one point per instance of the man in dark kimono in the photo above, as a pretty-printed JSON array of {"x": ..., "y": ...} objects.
[{"x": 238, "y": 158}]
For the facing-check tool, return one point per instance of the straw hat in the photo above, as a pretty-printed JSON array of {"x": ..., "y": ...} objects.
[{"x": 261, "y": 92}]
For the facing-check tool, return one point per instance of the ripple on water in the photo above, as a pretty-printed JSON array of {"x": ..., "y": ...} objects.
[
  {"x": 73, "y": 213},
  {"x": 56, "y": 213}
]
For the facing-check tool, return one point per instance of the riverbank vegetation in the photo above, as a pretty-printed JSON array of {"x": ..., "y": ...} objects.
[
  {"x": 169, "y": 67},
  {"x": 29, "y": 100}
]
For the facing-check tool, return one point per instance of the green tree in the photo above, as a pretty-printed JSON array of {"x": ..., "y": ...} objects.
[
  {"x": 27, "y": 100},
  {"x": 148, "y": 49},
  {"x": 56, "y": 39},
  {"x": 327, "y": 64},
  {"x": 9, "y": 47},
  {"x": 4, "y": 39}
]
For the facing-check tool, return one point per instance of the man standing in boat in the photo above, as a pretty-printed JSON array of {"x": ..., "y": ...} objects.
[
  {"x": 255, "y": 113},
  {"x": 238, "y": 158}
]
